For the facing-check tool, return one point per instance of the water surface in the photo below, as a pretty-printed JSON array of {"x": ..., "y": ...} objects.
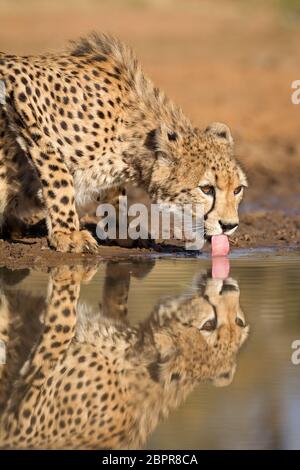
[{"x": 183, "y": 335}]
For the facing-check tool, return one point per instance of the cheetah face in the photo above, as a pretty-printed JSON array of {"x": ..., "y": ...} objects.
[
  {"x": 226, "y": 327},
  {"x": 210, "y": 328},
  {"x": 223, "y": 327},
  {"x": 199, "y": 168}
]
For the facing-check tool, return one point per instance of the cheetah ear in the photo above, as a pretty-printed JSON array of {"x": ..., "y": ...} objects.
[
  {"x": 221, "y": 131},
  {"x": 225, "y": 379},
  {"x": 11, "y": 278},
  {"x": 164, "y": 344},
  {"x": 159, "y": 369},
  {"x": 163, "y": 159},
  {"x": 159, "y": 141}
]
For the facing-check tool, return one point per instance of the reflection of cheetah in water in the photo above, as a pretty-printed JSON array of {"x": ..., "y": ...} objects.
[
  {"x": 100, "y": 383},
  {"x": 88, "y": 120}
]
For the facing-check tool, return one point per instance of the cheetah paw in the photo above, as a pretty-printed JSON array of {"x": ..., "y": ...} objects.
[
  {"x": 77, "y": 273},
  {"x": 75, "y": 242}
]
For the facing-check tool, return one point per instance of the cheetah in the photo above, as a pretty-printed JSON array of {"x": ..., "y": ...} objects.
[
  {"x": 89, "y": 119},
  {"x": 93, "y": 381}
]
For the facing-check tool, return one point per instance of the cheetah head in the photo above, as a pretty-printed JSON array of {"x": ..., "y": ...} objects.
[
  {"x": 201, "y": 332},
  {"x": 198, "y": 167}
]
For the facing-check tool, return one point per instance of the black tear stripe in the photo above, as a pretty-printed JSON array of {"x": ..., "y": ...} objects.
[
  {"x": 215, "y": 312},
  {"x": 212, "y": 207},
  {"x": 228, "y": 288},
  {"x": 213, "y": 307}
]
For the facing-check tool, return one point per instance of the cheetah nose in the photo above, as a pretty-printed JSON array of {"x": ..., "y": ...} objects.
[{"x": 227, "y": 227}]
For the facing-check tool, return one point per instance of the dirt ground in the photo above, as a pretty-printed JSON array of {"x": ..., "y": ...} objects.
[{"x": 230, "y": 61}]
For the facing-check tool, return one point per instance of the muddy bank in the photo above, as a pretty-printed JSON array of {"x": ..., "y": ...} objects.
[
  {"x": 269, "y": 216},
  {"x": 257, "y": 229}
]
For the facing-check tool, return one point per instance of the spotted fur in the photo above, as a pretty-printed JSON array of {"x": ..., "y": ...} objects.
[
  {"x": 87, "y": 120},
  {"x": 93, "y": 381}
]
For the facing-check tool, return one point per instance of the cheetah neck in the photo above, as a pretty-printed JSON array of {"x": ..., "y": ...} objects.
[{"x": 142, "y": 115}]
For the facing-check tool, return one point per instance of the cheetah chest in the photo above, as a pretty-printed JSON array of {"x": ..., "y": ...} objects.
[{"x": 89, "y": 182}]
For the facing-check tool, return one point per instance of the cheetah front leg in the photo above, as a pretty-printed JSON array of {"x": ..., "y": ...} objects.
[
  {"x": 4, "y": 185},
  {"x": 56, "y": 180},
  {"x": 59, "y": 322},
  {"x": 58, "y": 194},
  {"x": 27, "y": 397}
]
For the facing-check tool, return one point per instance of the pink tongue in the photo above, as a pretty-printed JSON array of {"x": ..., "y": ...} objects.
[
  {"x": 219, "y": 245},
  {"x": 220, "y": 267}
]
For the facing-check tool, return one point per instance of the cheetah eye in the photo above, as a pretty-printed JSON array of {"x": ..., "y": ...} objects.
[
  {"x": 238, "y": 190},
  {"x": 209, "y": 325},
  {"x": 208, "y": 190}
]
